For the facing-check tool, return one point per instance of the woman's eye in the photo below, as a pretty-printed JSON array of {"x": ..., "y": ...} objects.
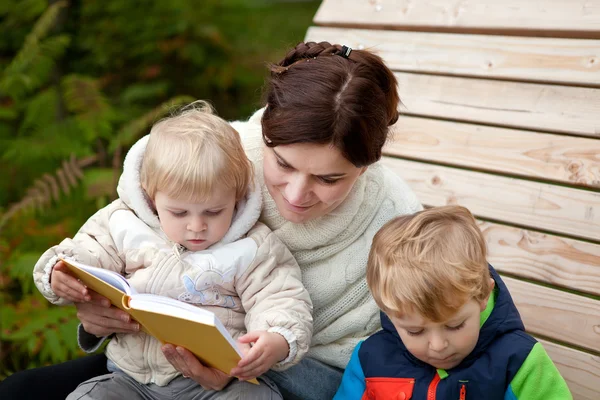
[
  {"x": 457, "y": 327},
  {"x": 328, "y": 181},
  {"x": 282, "y": 165},
  {"x": 414, "y": 333}
]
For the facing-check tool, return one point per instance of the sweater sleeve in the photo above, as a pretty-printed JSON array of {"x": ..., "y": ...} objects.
[
  {"x": 538, "y": 378},
  {"x": 353, "y": 382},
  {"x": 275, "y": 299},
  {"x": 92, "y": 245}
]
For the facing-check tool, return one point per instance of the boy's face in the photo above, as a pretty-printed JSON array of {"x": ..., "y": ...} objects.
[
  {"x": 196, "y": 226},
  {"x": 443, "y": 345}
]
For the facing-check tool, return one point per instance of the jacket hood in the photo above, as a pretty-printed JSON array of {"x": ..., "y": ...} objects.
[
  {"x": 503, "y": 319},
  {"x": 131, "y": 193}
]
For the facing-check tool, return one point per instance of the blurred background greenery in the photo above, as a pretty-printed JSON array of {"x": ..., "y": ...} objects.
[{"x": 80, "y": 82}]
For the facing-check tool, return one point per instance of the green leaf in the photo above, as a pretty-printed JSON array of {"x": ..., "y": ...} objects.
[
  {"x": 52, "y": 341},
  {"x": 131, "y": 132},
  {"x": 21, "y": 269}
]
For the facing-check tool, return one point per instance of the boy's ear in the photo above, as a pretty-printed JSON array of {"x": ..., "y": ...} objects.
[{"x": 484, "y": 302}]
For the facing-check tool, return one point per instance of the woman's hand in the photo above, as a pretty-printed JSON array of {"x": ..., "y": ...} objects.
[
  {"x": 66, "y": 286},
  {"x": 186, "y": 363},
  {"x": 269, "y": 348},
  {"x": 99, "y": 318}
]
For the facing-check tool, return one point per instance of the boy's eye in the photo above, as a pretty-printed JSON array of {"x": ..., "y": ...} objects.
[
  {"x": 179, "y": 213},
  {"x": 414, "y": 333},
  {"x": 457, "y": 327}
]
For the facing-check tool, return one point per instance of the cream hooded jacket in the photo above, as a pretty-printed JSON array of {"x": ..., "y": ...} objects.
[{"x": 249, "y": 279}]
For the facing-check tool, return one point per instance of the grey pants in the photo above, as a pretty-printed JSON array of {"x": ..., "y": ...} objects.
[{"x": 117, "y": 386}]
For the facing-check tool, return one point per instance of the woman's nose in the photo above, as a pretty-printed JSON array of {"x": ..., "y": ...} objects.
[{"x": 297, "y": 190}]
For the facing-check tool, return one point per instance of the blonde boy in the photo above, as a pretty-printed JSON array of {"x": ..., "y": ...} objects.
[
  {"x": 186, "y": 226},
  {"x": 450, "y": 328}
]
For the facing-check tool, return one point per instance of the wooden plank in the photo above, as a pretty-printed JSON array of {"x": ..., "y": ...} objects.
[
  {"x": 525, "y": 203},
  {"x": 581, "y": 370},
  {"x": 550, "y": 259},
  {"x": 558, "y": 315},
  {"x": 565, "y": 159},
  {"x": 513, "y": 104},
  {"x": 572, "y": 61},
  {"x": 571, "y": 18}
]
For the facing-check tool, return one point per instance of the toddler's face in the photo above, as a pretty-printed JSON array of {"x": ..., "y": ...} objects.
[
  {"x": 196, "y": 226},
  {"x": 443, "y": 345}
]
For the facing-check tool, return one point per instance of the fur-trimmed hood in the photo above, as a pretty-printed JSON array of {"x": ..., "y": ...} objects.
[{"x": 131, "y": 193}]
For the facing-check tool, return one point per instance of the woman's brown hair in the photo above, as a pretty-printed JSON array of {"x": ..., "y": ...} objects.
[{"x": 316, "y": 95}]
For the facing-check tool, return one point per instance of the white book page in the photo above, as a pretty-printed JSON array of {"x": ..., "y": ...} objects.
[
  {"x": 168, "y": 306},
  {"x": 110, "y": 277}
]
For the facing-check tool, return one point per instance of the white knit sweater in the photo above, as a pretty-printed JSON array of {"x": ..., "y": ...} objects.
[{"x": 332, "y": 250}]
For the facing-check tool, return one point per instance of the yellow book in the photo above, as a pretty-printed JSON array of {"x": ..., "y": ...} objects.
[{"x": 168, "y": 320}]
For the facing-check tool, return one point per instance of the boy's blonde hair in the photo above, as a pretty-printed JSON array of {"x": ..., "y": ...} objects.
[
  {"x": 431, "y": 262},
  {"x": 190, "y": 153}
]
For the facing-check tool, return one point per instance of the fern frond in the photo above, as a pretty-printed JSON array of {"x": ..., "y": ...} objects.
[
  {"x": 40, "y": 112},
  {"x": 138, "y": 127},
  {"x": 32, "y": 65},
  {"x": 49, "y": 188},
  {"x": 82, "y": 95}
]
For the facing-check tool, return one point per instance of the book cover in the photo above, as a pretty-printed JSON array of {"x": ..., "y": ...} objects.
[{"x": 168, "y": 320}]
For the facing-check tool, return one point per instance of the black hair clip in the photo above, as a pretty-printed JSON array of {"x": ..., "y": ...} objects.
[{"x": 345, "y": 52}]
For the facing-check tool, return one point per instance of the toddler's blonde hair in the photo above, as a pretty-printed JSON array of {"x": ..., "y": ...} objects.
[
  {"x": 431, "y": 262},
  {"x": 189, "y": 154}
]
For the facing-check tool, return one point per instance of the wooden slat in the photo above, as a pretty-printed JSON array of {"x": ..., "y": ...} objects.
[
  {"x": 545, "y": 258},
  {"x": 566, "y": 159},
  {"x": 579, "y": 18},
  {"x": 526, "y": 203},
  {"x": 513, "y": 104},
  {"x": 581, "y": 370},
  {"x": 558, "y": 315},
  {"x": 572, "y": 61}
]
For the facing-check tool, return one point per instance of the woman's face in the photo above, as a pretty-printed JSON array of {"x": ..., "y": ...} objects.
[{"x": 308, "y": 180}]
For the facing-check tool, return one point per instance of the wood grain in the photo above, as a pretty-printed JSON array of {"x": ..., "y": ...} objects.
[
  {"x": 580, "y": 18},
  {"x": 558, "y": 315},
  {"x": 581, "y": 370},
  {"x": 571, "y": 61},
  {"x": 559, "y": 158},
  {"x": 550, "y": 259},
  {"x": 511, "y": 104},
  {"x": 525, "y": 203}
]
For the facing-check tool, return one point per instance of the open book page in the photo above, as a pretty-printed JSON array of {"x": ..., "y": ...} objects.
[
  {"x": 175, "y": 308},
  {"x": 110, "y": 277}
]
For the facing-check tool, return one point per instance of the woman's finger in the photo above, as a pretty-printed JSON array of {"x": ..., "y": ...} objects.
[{"x": 99, "y": 320}]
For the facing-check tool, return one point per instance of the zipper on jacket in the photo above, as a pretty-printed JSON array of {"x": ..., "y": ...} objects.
[
  {"x": 433, "y": 387},
  {"x": 463, "y": 392}
]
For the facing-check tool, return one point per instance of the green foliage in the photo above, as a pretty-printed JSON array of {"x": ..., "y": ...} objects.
[{"x": 80, "y": 82}]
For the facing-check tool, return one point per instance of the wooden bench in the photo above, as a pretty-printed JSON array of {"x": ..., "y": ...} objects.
[{"x": 501, "y": 114}]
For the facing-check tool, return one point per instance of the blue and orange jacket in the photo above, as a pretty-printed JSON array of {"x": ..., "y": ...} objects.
[{"x": 506, "y": 364}]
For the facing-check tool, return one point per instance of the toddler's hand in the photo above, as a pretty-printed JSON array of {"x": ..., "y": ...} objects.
[
  {"x": 269, "y": 348},
  {"x": 67, "y": 286}
]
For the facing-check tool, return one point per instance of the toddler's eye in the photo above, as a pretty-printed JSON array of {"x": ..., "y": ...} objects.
[
  {"x": 179, "y": 213},
  {"x": 415, "y": 333},
  {"x": 457, "y": 327},
  {"x": 213, "y": 212}
]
